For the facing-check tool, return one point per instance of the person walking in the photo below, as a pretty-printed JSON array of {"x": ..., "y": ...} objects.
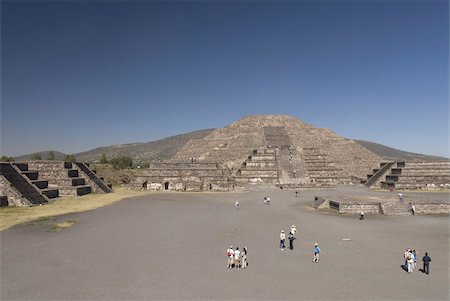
[
  {"x": 413, "y": 210},
  {"x": 268, "y": 200},
  {"x": 236, "y": 205},
  {"x": 400, "y": 197},
  {"x": 291, "y": 241},
  {"x": 230, "y": 260},
  {"x": 316, "y": 252},
  {"x": 361, "y": 215},
  {"x": 244, "y": 257},
  {"x": 426, "y": 263},
  {"x": 237, "y": 258},
  {"x": 282, "y": 240}
]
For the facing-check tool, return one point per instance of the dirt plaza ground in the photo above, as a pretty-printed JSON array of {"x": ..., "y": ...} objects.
[{"x": 173, "y": 246}]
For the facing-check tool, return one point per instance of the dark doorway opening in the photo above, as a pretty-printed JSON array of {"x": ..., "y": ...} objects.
[{"x": 166, "y": 186}]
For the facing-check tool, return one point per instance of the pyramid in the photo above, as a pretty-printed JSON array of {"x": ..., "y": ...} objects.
[
  {"x": 230, "y": 146},
  {"x": 267, "y": 149}
]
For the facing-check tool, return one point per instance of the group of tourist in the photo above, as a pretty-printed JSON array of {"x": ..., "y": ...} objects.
[
  {"x": 410, "y": 265},
  {"x": 236, "y": 258},
  {"x": 267, "y": 200},
  {"x": 291, "y": 238}
]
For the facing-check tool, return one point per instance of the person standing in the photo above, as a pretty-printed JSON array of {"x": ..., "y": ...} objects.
[
  {"x": 230, "y": 254},
  {"x": 236, "y": 205},
  {"x": 316, "y": 252},
  {"x": 415, "y": 259},
  {"x": 282, "y": 240},
  {"x": 426, "y": 263},
  {"x": 413, "y": 210},
  {"x": 268, "y": 200},
  {"x": 410, "y": 261},
  {"x": 237, "y": 258},
  {"x": 400, "y": 197},
  {"x": 293, "y": 230},
  {"x": 244, "y": 257},
  {"x": 361, "y": 215}
]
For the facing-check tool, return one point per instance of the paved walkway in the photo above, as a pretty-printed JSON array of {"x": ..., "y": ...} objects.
[{"x": 173, "y": 246}]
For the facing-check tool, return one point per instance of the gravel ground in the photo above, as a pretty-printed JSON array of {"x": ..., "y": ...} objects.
[{"x": 173, "y": 246}]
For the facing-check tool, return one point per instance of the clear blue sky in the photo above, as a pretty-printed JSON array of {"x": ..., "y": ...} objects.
[{"x": 83, "y": 74}]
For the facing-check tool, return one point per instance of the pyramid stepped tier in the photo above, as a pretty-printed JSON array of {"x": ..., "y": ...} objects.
[
  {"x": 37, "y": 182},
  {"x": 18, "y": 188},
  {"x": 418, "y": 175},
  {"x": 184, "y": 176},
  {"x": 276, "y": 137},
  {"x": 97, "y": 184},
  {"x": 320, "y": 170},
  {"x": 60, "y": 176},
  {"x": 259, "y": 167},
  {"x": 374, "y": 179}
]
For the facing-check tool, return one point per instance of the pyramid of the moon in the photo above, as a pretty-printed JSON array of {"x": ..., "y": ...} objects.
[{"x": 276, "y": 149}]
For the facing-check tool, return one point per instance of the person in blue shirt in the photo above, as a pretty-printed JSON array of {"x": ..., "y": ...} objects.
[{"x": 316, "y": 252}]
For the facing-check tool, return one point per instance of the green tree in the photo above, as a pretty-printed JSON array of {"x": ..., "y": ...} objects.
[
  {"x": 6, "y": 159},
  {"x": 36, "y": 156},
  {"x": 103, "y": 160},
  {"x": 50, "y": 155},
  {"x": 70, "y": 158},
  {"x": 121, "y": 162}
]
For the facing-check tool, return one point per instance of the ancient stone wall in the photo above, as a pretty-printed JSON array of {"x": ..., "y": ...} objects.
[
  {"x": 14, "y": 197},
  {"x": 432, "y": 208}
]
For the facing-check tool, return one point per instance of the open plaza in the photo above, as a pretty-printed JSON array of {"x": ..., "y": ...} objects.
[{"x": 171, "y": 245}]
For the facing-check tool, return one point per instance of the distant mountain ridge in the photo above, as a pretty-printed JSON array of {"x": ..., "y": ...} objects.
[
  {"x": 393, "y": 154},
  {"x": 165, "y": 148}
]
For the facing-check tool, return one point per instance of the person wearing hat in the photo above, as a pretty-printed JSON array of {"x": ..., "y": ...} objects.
[
  {"x": 293, "y": 230},
  {"x": 316, "y": 252},
  {"x": 291, "y": 241},
  {"x": 230, "y": 260},
  {"x": 282, "y": 240}
]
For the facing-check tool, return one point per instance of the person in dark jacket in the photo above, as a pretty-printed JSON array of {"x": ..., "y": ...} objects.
[
  {"x": 291, "y": 241},
  {"x": 426, "y": 263}
]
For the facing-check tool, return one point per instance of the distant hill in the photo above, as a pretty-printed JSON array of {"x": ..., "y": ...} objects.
[
  {"x": 165, "y": 149},
  {"x": 143, "y": 152},
  {"x": 44, "y": 155},
  {"x": 393, "y": 154}
]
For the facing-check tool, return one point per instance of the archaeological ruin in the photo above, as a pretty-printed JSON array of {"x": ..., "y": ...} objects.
[
  {"x": 282, "y": 150},
  {"x": 38, "y": 182}
]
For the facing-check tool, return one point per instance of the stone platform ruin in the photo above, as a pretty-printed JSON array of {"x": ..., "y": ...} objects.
[
  {"x": 384, "y": 206},
  {"x": 38, "y": 182}
]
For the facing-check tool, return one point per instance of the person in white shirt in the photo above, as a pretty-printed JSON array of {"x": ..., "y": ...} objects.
[
  {"x": 230, "y": 259},
  {"x": 244, "y": 257},
  {"x": 237, "y": 258},
  {"x": 236, "y": 205},
  {"x": 282, "y": 240}
]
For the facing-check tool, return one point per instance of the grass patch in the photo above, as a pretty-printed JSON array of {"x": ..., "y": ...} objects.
[
  {"x": 10, "y": 216},
  {"x": 64, "y": 225}
]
